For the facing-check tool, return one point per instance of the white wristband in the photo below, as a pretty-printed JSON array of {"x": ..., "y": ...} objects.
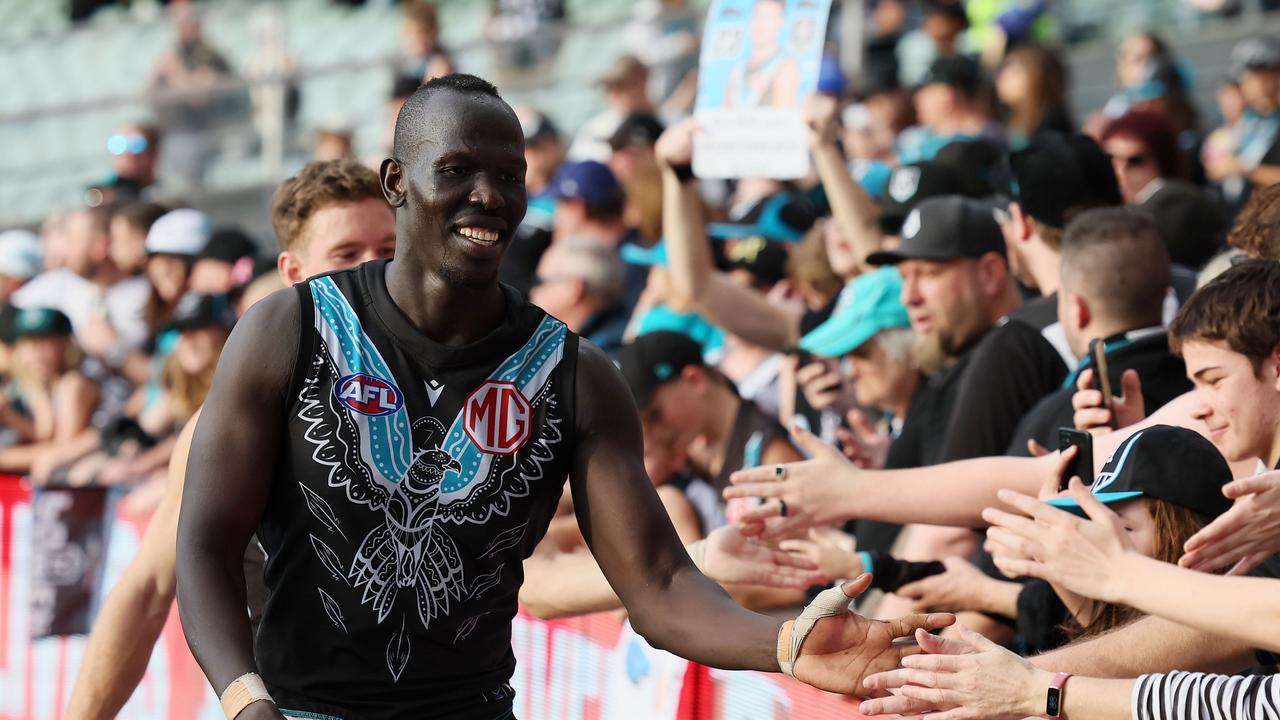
[
  {"x": 828, "y": 603},
  {"x": 698, "y": 554},
  {"x": 243, "y": 692}
]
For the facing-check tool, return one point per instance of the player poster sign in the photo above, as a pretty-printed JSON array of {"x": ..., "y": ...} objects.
[{"x": 760, "y": 59}]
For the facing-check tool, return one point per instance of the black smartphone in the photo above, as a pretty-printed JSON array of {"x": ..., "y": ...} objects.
[
  {"x": 1102, "y": 378},
  {"x": 804, "y": 357},
  {"x": 1082, "y": 466}
]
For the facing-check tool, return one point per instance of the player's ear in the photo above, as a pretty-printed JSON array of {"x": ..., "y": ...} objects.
[{"x": 391, "y": 174}]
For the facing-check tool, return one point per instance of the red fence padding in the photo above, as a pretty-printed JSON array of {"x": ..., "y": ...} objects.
[{"x": 587, "y": 667}]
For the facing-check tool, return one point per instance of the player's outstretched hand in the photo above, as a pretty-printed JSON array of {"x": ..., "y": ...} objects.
[
  {"x": 841, "y": 650},
  {"x": 730, "y": 557},
  {"x": 960, "y": 680},
  {"x": 811, "y": 491}
]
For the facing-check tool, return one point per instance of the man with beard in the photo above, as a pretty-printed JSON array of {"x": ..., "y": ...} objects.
[
  {"x": 403, "y": 449},
  {"x": 957, "y": 288}
]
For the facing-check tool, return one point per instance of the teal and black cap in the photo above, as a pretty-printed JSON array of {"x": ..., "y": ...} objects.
[
  {"x": 655, "y": 358},
  {"x": 38, "y": 322},
  {"x": 1166, "y": 462},
  {"x": 869, "y": 304},
  {"x": 196, "y": 311},
  {"x": 781, "y": 217}
]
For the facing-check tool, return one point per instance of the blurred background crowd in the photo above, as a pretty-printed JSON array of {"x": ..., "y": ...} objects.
[{"x": 143, "y": 142}]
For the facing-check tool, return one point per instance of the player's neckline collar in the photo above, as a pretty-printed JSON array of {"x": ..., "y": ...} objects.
[{"x": 494, "y": 346}]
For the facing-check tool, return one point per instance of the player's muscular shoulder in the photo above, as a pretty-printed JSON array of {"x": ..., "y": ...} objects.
[
  {"x": 262, "y": 350},
  {"x": 601, "y": 395}
]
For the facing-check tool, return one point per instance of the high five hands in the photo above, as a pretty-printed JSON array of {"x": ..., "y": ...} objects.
[{"x": 845, "y": 647}]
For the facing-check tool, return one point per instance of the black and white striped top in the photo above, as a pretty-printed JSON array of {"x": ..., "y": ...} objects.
[{"x": 1179, "y": 695}]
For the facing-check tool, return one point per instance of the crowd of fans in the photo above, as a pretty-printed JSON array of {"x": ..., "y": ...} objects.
[{"x": 858, "y": 360}]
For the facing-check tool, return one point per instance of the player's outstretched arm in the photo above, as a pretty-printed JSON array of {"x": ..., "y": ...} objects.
[
  {"x": 673, "y": 605},
  {"x": 233, "y": 457},
  {"x": 135, "y": 612}
]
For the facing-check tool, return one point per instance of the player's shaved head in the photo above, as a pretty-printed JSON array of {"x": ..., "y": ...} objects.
[{"x": 412, "y": 127}]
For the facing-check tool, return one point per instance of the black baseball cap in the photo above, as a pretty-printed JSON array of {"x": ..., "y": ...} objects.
[
  {"x": 766, "y": 261},
  {"x": 1059, "y": 175},
  {"x": 655, "y": 358},
  {"x": 38, "y": 322},
  {"x": 945, "y": 228},
  {"x": 637, "y": 129},
  {"x": 958, "y": 71},
  {"x": 1166, "y": 462},
  {"x": 228, "y": 245},
  {"x": 976, "y": 162},
  {"x": 197, "y": 310},
  {"x": 911, "y": 184}
]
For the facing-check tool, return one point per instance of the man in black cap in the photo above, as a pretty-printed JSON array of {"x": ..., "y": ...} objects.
[
  {"x": 957, "y": 288},
  {"x": 686, "y": 403},
  {"x": 1051, "y": 181}
]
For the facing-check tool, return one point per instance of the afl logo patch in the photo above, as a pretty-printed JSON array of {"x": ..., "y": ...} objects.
[
  {"x": 496, "y": 416},
  {"x": 368, "y": 394}
]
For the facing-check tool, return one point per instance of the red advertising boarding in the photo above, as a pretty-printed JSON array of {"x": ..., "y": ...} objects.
[{"x": 588, "y": 668}]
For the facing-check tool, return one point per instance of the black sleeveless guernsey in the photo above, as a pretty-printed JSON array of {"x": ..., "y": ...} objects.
[{"x": 414, "y": 480}]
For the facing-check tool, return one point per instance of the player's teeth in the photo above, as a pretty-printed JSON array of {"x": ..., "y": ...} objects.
[{"x": 488, "y": 236}]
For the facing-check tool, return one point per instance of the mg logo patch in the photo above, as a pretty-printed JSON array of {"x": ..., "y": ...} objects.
[
  {"x": 497, "y": 418},
  {"x": 368, "y": 394}
]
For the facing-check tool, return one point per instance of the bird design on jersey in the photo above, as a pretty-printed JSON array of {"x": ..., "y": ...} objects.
[
  {"x": 423, "y": 479},
  {"x": 409, "y": 551}
]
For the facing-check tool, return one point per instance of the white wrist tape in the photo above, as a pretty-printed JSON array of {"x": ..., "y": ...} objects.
[
  {"x": 829, "y": 603},
  {"x": 698, "y": 553},
  {"x": 243, "y": 692}
]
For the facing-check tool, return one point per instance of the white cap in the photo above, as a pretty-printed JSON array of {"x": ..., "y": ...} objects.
[
  {"x": 20, "y": 254},
  {"x": 178, "y": 232}
]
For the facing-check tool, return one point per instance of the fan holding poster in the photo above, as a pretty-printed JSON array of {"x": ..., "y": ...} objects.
[{"x": 759, "y": 59}]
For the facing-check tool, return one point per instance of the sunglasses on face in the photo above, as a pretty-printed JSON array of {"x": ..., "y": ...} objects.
[
  {"x": 130, "y": 144},
  {"x": 1129, "y": 161}
]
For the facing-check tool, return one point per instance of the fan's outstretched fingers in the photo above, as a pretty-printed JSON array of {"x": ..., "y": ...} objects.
[
  {"x": 938, "y": 645},
  {"x": 907, "y": 624},
  {"x": 894, "y": 705}
]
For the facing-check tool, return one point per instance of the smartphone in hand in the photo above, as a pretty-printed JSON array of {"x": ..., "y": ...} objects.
[
  {"x": 1102, "y": 378},
  {"x": 1082, "y": 466}
]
